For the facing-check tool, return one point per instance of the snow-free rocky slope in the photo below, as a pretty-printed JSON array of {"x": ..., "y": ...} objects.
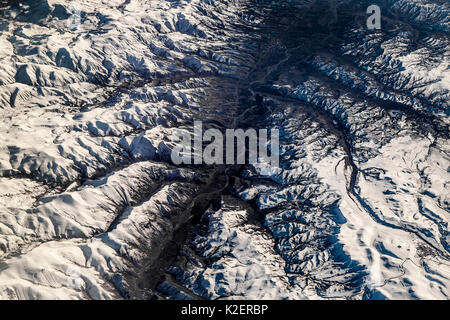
[{"x": 91, "y": 206}]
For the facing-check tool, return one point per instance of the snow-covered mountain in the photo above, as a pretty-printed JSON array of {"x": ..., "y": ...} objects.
[{"x": 91, "y": 206}]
